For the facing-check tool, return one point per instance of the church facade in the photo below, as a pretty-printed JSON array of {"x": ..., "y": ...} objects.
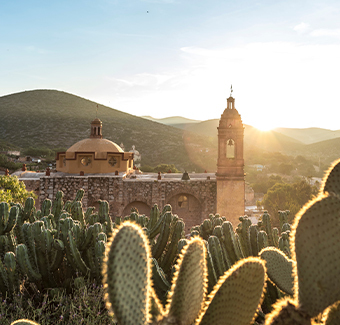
[{"x": 106, "y": 172}]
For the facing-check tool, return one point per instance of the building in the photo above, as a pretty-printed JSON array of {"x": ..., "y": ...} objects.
[
  {"x": 95, "y": 155},
  {"x": 105, "y": 172},
  {"x": 230, "y": 164}
]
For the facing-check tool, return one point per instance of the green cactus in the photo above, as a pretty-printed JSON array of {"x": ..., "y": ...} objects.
[
  {"x": 171, "y": 253},
  {"x": 206, "y": 229},
  {"x": 217, "y": 256},
  {"x": 237, "y": 295},
  {"x": 253, "y": 233},
  {"x": 230, "y": 242},
  {"x": 279, "y": 268},
  {"x": 262, "y": 239},
  {"x": 283, "y": 218},
  {"x": 186, "y": 299},
  {"x": 128, "y": 262},
  {"x": 154, "y": 216},
  {"x": 163, "y": 237},
  {"x": 267, "y": 227},
  {"x": 244, "y": 235},
  {"x": 315, "y": 248},
  {"x": 331, "y": 181},
  {"x": 24, "y": 322},
  {"x": 332, "y": 315}
]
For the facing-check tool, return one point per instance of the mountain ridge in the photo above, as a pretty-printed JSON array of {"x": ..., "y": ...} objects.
[{"x": 57, "y": 119}]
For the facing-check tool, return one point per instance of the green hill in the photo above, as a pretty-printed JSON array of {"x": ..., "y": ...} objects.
[
  {"x": 171, "y": 120},
  {"x": 54, "y": 119},
  {"x": 309, "y": 135}
]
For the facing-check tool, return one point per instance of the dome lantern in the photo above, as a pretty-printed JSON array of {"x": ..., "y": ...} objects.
[{"x": 96, "y": 129}]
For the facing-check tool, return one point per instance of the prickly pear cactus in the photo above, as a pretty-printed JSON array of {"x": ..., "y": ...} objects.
[
  {"x": 279, "y": 268},
  {"x": 315, "y": 251},
  {"x": 189, "y": 287},
  {"x": 24, "y": 322},
  {"x": 127, "y": 275},
  {"x": 331, "y": 182},
  {"x": 237, "y": 295}
]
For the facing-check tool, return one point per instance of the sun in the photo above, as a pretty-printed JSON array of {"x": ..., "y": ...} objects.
[{"x": 263, "y": 126}]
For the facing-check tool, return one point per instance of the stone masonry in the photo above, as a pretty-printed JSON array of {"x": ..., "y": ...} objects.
[{"x": 191, "y": 200}]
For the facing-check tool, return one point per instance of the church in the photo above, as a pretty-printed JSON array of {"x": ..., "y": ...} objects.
[{"x": 106, "y": 172}]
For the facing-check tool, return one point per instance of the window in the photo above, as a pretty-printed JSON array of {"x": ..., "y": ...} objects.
[
  {"x": 230, "y": 149},
  {"x": 182, "y": 201},
  {"x": 85, "y": 161},
  {"x": 112, "y": 161}
]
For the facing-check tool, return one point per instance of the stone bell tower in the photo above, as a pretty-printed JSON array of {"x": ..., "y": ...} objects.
[{"x": 230, "y": 165}]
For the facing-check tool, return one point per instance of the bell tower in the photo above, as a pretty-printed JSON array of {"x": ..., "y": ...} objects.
[{"x": 230, "y": 164}]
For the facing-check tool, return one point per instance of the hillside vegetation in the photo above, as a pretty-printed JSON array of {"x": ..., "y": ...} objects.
[{"x": 55, "y": 119}]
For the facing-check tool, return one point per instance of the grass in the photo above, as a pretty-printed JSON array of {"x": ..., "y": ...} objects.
[{"x": 84, "y": 306}]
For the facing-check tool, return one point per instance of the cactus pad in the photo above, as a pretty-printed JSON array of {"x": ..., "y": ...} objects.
[
  {"x": 331, "y": 181},
  {"x": 127, "y": 275},
  {"x": 333, "y": 315},
  {"x": 237, "y": 295},
  {"x": 279, "y": 268},
  {"x": 189, "y": 287},
  {"x": 24, "y": 322},
  {"x": 285, "y": 313},
  {"x": 316, "y": 236}
]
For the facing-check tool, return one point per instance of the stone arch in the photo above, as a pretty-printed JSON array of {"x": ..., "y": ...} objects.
[
  {"x": 188, "y": 207},
  {"x": 142, "y": 207}
]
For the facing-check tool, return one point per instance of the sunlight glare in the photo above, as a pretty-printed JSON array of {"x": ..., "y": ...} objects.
[{"x": 263, "y": 126}]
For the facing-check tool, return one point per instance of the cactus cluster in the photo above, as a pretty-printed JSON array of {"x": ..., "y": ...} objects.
[
  {"x": 153, "y": 275},
  {"x": 51, "y": 246},
  {"x": 131, "y": 296},
  {"x": 315, "y": 260}
]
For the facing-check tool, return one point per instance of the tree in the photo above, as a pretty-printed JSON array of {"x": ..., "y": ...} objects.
[
  {"x": 163, "y": 168},
  {"x": 290, "y": 197},
  {"x": 6, "y": 163},
  {"x": 13, "y": 190}
]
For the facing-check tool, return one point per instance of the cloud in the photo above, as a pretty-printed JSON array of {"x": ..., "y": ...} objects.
[
  {"x": 301, "y": 28},
  {"x": 326, "y": 32}
]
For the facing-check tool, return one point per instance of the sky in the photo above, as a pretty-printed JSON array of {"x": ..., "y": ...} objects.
[{"x": 180, "y": 57}]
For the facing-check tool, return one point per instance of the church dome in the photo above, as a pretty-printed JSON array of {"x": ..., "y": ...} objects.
[
  {"x": 99, "y": 146},
  {"x": 95, "y": 155}
]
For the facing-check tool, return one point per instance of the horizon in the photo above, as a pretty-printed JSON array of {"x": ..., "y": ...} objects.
[{"x": 169, "y": 57}]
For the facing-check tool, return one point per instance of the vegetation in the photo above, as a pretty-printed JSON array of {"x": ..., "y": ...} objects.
[
  {"x": 84, "y": 306},
  {"x": 220, "y": 265},
  {"x": 13, "y": 190},
  {"x": 163, "y": 168},
  {"x": 8, "y": 164},
  {"x": 292, "y": 197},
  {"x": 55, "y": 119},
  {"x": 43, "y": 152}
]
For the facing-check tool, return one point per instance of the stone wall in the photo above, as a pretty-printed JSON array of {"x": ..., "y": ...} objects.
[
  {"x": 34, "y": 185},
  {"x": 191, "y": 200}
]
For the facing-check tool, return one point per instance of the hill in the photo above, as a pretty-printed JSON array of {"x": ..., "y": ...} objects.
[
  {"x": 270, "y": 141},
  {"x": 172, "y": 120},
  {"x": 54, "y": 119},
  {"x": 309, "y": 135}
]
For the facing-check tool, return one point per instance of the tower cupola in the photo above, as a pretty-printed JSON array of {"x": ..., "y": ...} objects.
[{"x": 96, "y": 129}]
